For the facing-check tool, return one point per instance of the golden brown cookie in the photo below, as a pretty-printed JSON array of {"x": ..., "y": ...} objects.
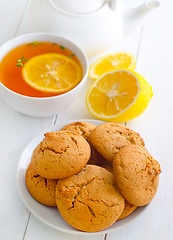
[
  {"x": 89, "y": 200},
  {"x": 108, "y": 138},
  {"x": 61, "y": 154},
  {"x": 128, "y": 209},
  {"x": 136, "y": 174},
  {"x": 84, "y": 129},
  {"x": 42, "y": 189}
]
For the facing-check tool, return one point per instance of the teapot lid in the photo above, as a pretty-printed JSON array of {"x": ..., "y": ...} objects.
[{"x": 77, "y": 6}]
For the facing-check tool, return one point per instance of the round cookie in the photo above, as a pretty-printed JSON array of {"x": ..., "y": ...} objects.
[
  {"x": 61, "y": 154},
  {"x": 108, "y": 138},
  {"x": 89, "y": 200},
  {"x": 128, "y": 209},
  {"x": 84, "y": 129},
  {"x": 136, "y": 174},
  {"x": 42, "y": 189}
]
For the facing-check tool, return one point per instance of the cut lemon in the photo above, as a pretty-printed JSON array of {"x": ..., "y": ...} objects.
[
  {"x": 111, "y": 62},
  {"x": 119, "y": 96},
  {"x": 52, "y": 72}
]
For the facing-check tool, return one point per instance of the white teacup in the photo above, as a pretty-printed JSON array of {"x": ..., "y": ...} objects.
[{"x": 45, "y": 106}]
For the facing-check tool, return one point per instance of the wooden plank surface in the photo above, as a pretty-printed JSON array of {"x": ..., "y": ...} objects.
[
  {"x": 11, "y": 14},
  {"x": 154, "y": 62},
  {"x": 15, "y": 132},
  {"x": 39, "y": 231}
]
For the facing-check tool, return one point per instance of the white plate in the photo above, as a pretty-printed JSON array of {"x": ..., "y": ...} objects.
[{"x": 50, "y": 215}]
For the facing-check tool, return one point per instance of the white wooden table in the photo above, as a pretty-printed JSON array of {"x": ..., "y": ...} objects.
[{"x": 153, "y": 47}]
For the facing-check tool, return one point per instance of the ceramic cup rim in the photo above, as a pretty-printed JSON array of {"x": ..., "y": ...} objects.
[{"x": 13, "y": 42}]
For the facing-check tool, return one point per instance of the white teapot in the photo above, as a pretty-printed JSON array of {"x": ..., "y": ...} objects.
[{"x": 95, "y": 25}]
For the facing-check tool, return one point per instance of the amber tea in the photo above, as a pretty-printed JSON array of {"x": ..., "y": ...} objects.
[{"x": 12, "y": 64}]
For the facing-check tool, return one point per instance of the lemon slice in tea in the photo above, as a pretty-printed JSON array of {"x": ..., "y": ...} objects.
[
  {"x": 119, "y": 96},
  {"x": 111, "y": 62},
  {"x": 52, "y": 72}
]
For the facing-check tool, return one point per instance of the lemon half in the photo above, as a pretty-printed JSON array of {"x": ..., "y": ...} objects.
[
  {"x": 119, "y": 96},
  {"x": 111, "y": 62}
]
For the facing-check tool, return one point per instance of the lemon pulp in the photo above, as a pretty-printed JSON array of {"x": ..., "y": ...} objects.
[{"x": 110, "y": 62}]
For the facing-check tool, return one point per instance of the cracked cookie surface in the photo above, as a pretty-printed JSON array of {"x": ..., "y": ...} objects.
[
  {"x": 84, "y": 129},
  {"x": 128, "y": 208},
  {"x": 89, "y": 200},
  {"x": 136, "y": 174},
  {"x": 42, "y": 189},
  {"x": 109, "y": 138},
  {"x": 61, "y": 154}
]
